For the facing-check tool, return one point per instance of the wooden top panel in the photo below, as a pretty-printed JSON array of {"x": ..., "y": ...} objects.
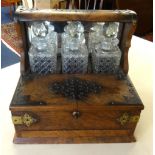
[
  {"x": 34, "y": 91},
  {"x": 24, "y": 14}
]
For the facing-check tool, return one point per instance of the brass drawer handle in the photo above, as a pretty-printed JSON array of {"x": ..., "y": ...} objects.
[
  {"x": 76, "y": 114},
  {"x": 26, "y": 119},
  {"x": 125, "y": 118}
]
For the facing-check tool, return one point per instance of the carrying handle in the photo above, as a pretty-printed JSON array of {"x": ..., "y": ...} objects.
[{"x": 25, "y": 14}]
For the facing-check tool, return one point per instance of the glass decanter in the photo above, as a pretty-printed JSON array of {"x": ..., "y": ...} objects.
[
  {"x": 74, "y": 51},
  {"x": 42, "y": 53},
  {"x": 105, "y": 52}
]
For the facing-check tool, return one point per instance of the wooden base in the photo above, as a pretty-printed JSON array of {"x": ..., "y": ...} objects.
[
  {"x": 73, "y": 137},
  {"x": 41, "y": 116}
]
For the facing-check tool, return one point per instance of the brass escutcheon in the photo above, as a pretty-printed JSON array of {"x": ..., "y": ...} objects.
[
  {"x": 26, "y": 119},
  {"x": 126, "y": 118}
]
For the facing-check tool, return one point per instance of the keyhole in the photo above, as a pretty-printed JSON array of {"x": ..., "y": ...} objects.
[{"x": 76, "y": 114}]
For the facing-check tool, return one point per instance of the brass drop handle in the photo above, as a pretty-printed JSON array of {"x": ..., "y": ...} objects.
[{"x": 76, "y": 114}]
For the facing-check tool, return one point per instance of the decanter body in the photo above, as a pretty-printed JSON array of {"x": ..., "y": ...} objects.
[
  {"x": 74, "y": 51},
  {"x": 103, "y": 45},
  {"x": 43, "y": 50}
]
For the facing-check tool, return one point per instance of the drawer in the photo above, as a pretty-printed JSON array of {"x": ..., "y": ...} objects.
[{"x": 75, "y": 120}]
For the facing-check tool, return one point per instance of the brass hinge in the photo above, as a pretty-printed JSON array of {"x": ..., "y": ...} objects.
[
  {"x": 126, "y": 118},
  {"x": 26, "y": 119}
]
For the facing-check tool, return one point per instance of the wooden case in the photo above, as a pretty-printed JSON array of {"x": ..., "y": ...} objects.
[{"x": 41, "y": 116}]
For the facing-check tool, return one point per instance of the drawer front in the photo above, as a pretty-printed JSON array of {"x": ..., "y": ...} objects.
[{"x": 75, "y": 120}]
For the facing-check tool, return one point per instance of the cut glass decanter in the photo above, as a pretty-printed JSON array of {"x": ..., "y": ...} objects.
[
  {"x": 103, "y": 43},
  {"x": 74, "y": 51},
  {"x": 42, "y": 53}
]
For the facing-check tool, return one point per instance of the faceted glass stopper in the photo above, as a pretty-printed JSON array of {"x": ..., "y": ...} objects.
[
  {"x": 50, "y": 28},
  {"x": 73, "y": 28},
  {"x": 47, "y": 23},
  {"x": 73, "y": 36},
  {"x": 98, "y": 28},
  {"x": 39, "y": 29},
  {"x": 112, "y": 29}
]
